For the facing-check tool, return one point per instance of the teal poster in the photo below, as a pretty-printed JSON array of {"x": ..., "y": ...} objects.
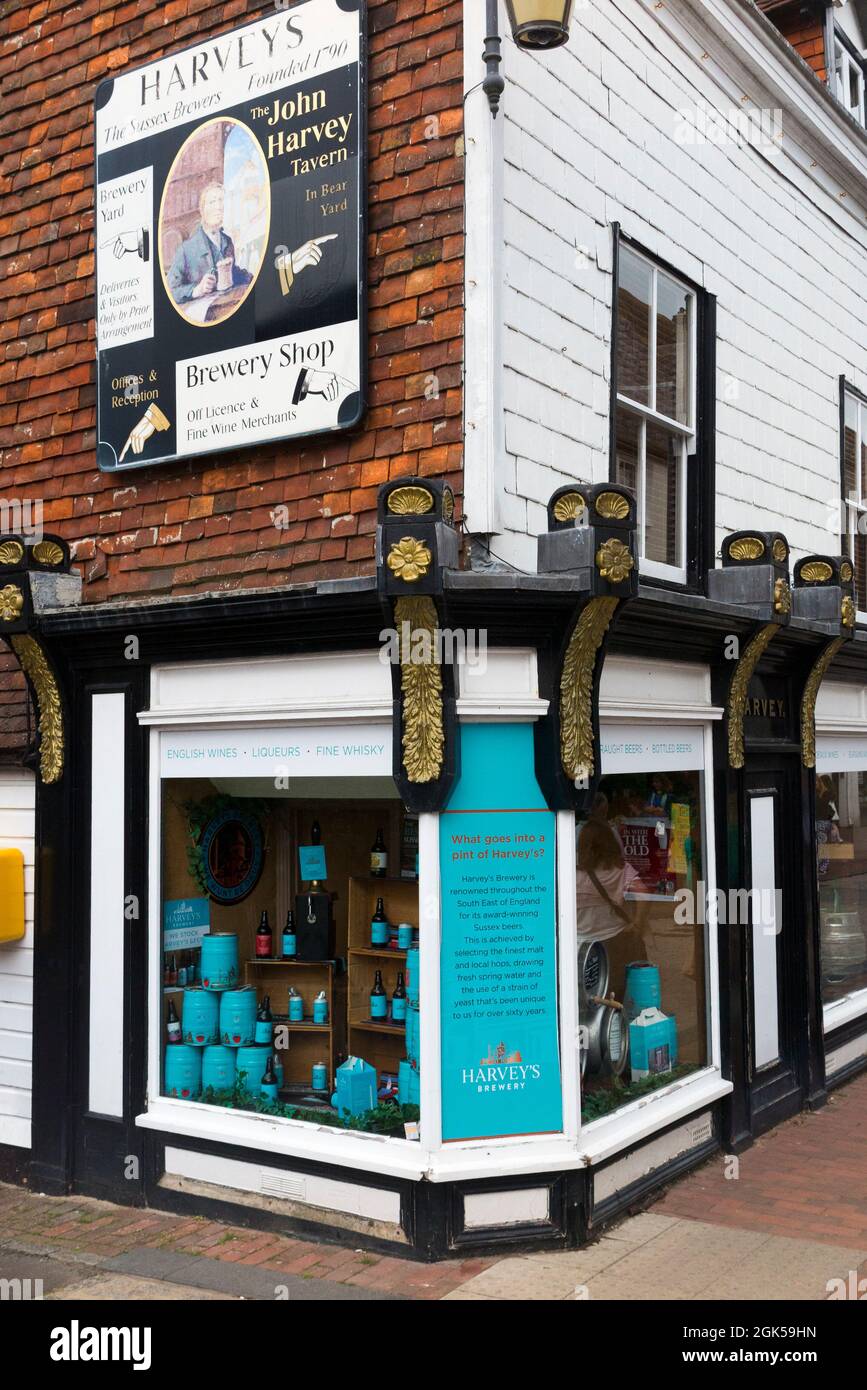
[{"x": 498, "y": 860}]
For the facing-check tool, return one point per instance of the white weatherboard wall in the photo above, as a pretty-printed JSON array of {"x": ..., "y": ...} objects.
[
  {"x": 779, "y": 235},
  {"x": 17, "y": 801}
]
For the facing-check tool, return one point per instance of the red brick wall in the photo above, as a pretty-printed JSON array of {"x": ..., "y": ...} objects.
[
  {"x": 207, "y": 525},
  {"x": 804, "y": 31}
]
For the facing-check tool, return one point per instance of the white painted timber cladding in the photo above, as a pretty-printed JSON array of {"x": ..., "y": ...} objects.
[
  {"x": 589, "y": 139},
  {"x": 17, "y": 828}
]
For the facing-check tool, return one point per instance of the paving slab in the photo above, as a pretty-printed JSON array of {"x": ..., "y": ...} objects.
[{"x": 111, "y": 1288}]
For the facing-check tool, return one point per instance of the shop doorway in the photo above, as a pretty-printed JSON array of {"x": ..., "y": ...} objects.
[{"x": 775, "y": 1013}]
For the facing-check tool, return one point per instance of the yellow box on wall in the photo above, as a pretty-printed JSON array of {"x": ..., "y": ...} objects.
[{"x": 11, "y": 895}]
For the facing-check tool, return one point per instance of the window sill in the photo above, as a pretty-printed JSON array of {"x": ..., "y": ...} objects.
[
  {"x": 844, "y": 1010},
  {"x": 609, "y": 1136}
]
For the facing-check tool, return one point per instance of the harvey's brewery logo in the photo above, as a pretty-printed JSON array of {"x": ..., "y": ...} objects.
[
  {"x": 501, "y": 1070},
  {"x": 198, "y": 70}
]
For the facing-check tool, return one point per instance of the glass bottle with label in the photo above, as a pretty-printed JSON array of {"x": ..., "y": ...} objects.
[
  {"x": 378, "y": 857},
  {"x": 269, "y": 1085},
  {"x": 264, "y": 1032},
  {"x": 398, "y": 1000},
  {"x": 263, "y": 937},
  {"x": 378, "y": 998},
  {"x": 173, "y": 1023},
  {"x": 290, "y": 941},
  {"x": 379, "y": 929}
]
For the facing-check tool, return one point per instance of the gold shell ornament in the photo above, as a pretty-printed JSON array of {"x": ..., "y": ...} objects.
[
  {"x": 409, "y": 559},
  {"x": 11, "y": 553},
  {"x": 614, "y": 561},
  {"x": 612, "y": 505},
  {"x": 816, "y": 572},
  {"x": 747, "y": 548},
  {"x": 448, "y": 503},
  {"x": 846, "y": 571},
  {"x": 48, "y": 553},
  {"x": 11, "y": 604},
  {"x": 569, "y": 507},
  {"x": 782, "y": 597},
  {"x": 847, "y": 611},
  {"x": 411, "y": 501},
  {"x": 779, "y": 551}
]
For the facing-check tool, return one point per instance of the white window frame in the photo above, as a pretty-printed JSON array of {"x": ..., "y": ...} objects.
[
  {"x": 845, "y": 64},
  {"x": 650, "y": 415},
  {"x": 854, "y": 508},
  {"x": 832, "y": 725}
]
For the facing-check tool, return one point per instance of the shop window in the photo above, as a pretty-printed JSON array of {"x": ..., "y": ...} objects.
[
  {"x": 841, "y": 836},
  {"x": 290, "y": 950},
  {"x": 854, "y": 471},
  {"x": 641, "y": 899},
  {"x": 663, "y": 412}
]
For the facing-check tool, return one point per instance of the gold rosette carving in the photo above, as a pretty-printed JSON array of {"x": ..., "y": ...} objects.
[
  {"x": 35, "y": 666},
  {"x": 11, "y": 604},
  {"x": 576, "y": 687},
  {"x": 409, "y": 559},
  {"x": 737, "y": 699},
  {"x": 614, "y": 561},
  {"x": 782, "y": 597},
  {"x": 421, "y": 683}
]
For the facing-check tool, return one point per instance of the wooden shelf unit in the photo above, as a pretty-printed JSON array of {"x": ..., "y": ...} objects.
[
  {"x": 379, "y": 1041},
  {"x": 309, "y": 1042}
]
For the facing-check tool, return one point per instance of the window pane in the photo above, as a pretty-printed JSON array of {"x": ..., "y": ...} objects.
[
  {"x": 627, "y": 461},
  {"x": 633, "y": 327},
  {"x": 850, "y": 442},
  {"x": 841, "y": 834},
  {"x": 662, "y": 496},
  {"x": 672, "y": 350},
  {"x": 643, "y": 844}
]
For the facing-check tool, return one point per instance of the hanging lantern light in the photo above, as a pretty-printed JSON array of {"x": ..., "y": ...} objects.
[{"x": 539, "y": 23}]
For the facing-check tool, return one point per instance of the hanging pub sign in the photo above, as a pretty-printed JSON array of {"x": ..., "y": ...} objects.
[{"x": 230, "y": 195}]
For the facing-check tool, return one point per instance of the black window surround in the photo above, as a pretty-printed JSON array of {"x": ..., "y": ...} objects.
[
  {"x": 853, "y": 509},
  {"x": 700, "y": 497}
]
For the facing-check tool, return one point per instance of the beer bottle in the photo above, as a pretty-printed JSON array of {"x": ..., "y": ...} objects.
[
  {"x": 378, "y": 998},
  {"x": 263, "y": 937},
  {"x": 379, "y": 931},
  {"x": 173, "y": 1023},
  {"x": 378, "y": 857},
  {"x": 173, "y": 971},
  {"x": 269, "y": 1086},
  {"x": 264, "y": 1022},
  {"x": 398, "y": 1000},
  {"x": 290, "y": 941},
  {"x": 182, "y": 972}
]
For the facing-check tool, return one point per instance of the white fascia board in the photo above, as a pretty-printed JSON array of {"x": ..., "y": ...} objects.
[{"x": 748, "y": 58}]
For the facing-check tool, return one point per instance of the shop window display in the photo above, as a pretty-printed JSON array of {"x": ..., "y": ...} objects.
[
  {"x": 641, "y": 937},
  {"x": 841, "y": 835},
  {"x": 290, "y": 953}
]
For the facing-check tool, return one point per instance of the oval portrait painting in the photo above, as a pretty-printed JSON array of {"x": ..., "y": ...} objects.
[{"x": 214, "y": 221}]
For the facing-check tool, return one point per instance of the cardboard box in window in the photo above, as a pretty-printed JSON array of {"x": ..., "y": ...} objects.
[{"x": 652, "y": 1044}]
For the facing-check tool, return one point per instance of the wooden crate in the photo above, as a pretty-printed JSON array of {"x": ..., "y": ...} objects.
[
  {"x": 309, "y": 1042},
  {"x": 382, "y": 1044}
]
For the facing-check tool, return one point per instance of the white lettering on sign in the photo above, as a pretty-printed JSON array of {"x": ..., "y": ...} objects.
[{"x": 306, "y": 751}]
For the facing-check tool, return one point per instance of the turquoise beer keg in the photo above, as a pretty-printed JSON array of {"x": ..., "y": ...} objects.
[
  {"x": 412, "y": 976},
  {"x": 218, "y": 1068},
  {"x": 643, "y": 990},
  {"x": 220, "y": 960},
  {"x": 238, "y": 1016},
  {"x": 253, "y": 1061},
  {"x": 199, "y": 1017},
  {"x": 183, "y": 1071},
  {"x": 413, "y": 1034}
]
